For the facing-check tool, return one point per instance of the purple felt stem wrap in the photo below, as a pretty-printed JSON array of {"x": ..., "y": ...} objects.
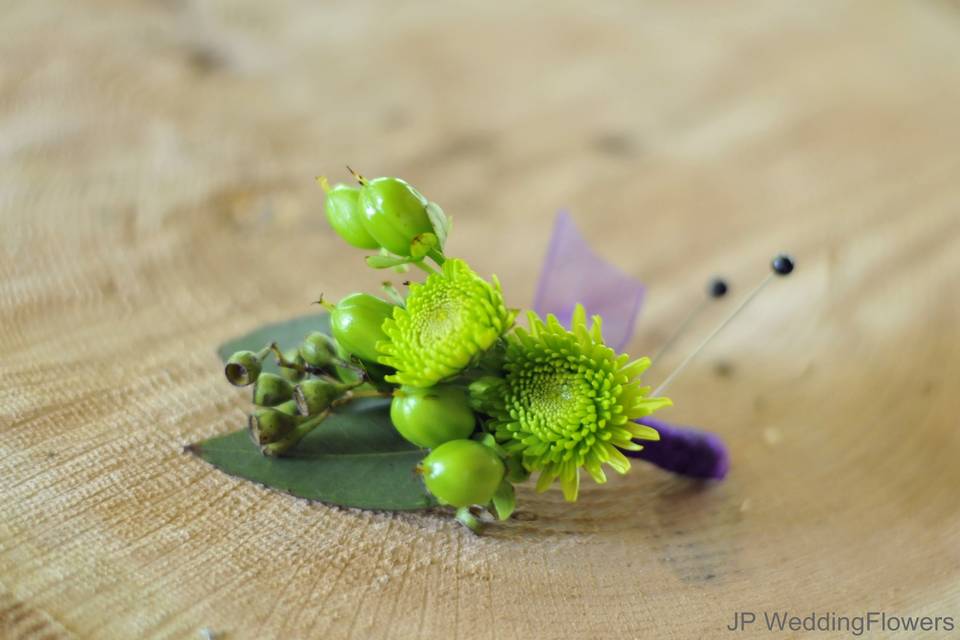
[
  {"x": 685, "y": 451},
  {"x": 572, "y": 273}
]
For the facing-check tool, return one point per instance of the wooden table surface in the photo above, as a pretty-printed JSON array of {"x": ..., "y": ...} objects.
[{"x": 157, "y": 198}]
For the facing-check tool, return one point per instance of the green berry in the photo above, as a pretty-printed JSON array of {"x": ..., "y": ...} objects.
[
  {"x": 395, "y": 213},
  {"x": 243, "y": 368},
  {"x": 429, "y": 417},
  {"x": 318, "y": 349},
  {"x": 356, "y": 324},
  {"x": 462, "y": 472},
  {"x": 346, "y": 217}
]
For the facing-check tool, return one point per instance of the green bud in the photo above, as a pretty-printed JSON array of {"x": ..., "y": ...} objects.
[
  {"x": 268, "y": 425},
  {"x": 347, "y": 218},
  {"x": 316, "y": 396},
  {"x": 356, "y": 323},
  {"x": 243, "y": 368},
  {"x": 318, "y": 350},
  {"x": 271, "y": 389},
  {"x": 395, "y": 213},
  {"x": 486, "y": 394},
  {"x": 296, "y": 373}
]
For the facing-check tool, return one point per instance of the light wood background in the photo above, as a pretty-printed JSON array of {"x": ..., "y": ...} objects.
[{"x": 157, "y": 198}]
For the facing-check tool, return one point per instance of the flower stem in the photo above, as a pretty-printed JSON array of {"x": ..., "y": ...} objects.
[
  {"x": 370, "y": 394},
  {"x": 423, "y": 266},
  {"x": 470, "y": 521}
]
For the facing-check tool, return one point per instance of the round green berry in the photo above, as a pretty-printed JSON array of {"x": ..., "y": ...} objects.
[
  {"x": 429, "y": 417},
  {"x": 318, "y": 349},
  {"x": 395, "y": 213},
  {"x": 346, "y": 217},
  {"x": 462, "y": 472},
  {"x": 356, "y": 324}
]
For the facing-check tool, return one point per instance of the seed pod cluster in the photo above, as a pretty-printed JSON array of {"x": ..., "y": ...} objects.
[{"x": 314, "y": 377}]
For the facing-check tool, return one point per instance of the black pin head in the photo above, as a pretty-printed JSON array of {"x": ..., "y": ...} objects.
[
  {"x": 782, "y": 265},
  {"x": 717, "y": 288}
]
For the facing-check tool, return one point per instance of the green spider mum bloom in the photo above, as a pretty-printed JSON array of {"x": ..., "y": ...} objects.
[
  {"x": 448, "y": 322},
  {"x": 569, "y": 401}
]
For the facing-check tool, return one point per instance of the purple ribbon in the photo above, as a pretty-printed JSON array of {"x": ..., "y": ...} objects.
[{"x": 572, "y": 273}]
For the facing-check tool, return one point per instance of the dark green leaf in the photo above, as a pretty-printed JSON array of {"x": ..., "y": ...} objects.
[{"x": 354, "y": 459}]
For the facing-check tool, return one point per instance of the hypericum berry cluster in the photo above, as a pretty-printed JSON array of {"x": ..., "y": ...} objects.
[{"x": 491, "y": 402}]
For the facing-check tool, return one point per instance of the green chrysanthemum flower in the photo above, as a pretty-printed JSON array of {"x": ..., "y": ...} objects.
[
  {"x": 447, "y": 323},
  {"x": 569, "y": 401}
]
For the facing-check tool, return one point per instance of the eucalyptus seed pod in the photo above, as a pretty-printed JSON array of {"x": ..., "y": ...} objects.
[
  {"x": 270, "y": 424},
  {"x": 271, "y": 389},
  {"x": 318, "y": 350},
  {"x": 315, "y": 396},
  {"x": 289, "y": 441},
  {"x": 295, "y": 373},
  {"x": 243, "y": 368}
]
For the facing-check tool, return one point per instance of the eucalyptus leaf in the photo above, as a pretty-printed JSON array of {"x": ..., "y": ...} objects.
[{"x": 355, "y": 458}]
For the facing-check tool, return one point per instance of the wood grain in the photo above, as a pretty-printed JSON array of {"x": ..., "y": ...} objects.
[{"x": 156, "y": 198}]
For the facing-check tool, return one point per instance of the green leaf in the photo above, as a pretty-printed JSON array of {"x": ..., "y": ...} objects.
[
  {"x": 385, "y": 262},
  {"x": 504, "y": 500},
  {"x": 440, "y": 221},
  {"x": 354, "y": 459}
]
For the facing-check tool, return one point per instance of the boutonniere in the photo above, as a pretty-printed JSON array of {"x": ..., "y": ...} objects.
[{"x": 436, "y": 393}]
